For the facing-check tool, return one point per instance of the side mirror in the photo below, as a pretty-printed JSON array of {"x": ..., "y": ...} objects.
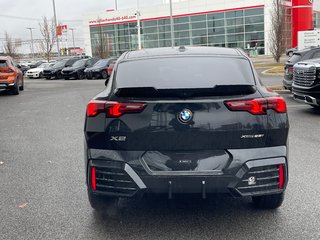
[
  {"x": 106, "y": 82},
  {"x": 19, "y": 66}
]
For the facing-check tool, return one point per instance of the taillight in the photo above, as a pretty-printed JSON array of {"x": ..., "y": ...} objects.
[
  {"x": 258, "y": 106},
  {"x": 93, "y": 178},
  {"x": 281, "y": 176},
  {"x": 95, "y": 107},
  {"x": 113, "y": 109},
  {"x": 278, "y": 104}
]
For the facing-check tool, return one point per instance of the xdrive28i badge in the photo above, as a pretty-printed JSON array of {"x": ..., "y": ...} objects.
[{"x": 185, "y": 116}]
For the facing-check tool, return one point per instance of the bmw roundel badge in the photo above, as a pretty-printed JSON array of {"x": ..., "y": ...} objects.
[{"x": 185, "y": 116}]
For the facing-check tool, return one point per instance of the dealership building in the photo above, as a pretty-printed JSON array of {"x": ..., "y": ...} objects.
[{"x": 244, "y": 24}]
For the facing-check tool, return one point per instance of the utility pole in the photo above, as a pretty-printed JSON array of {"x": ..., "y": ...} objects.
[
  {"x": 72, "y": 29},
  {"x": 171, "y": 25},
  {"x": 116, "y": 4},
  {"x": 138, "y": 25},
  {"x": 32, "y": 50},
  {"x": 55, "y": 24}
]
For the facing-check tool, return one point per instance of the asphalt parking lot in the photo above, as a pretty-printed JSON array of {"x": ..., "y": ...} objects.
[{"x": 43, "y": 193}]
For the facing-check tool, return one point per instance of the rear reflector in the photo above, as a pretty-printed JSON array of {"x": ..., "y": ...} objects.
[
  {"x": 93, "y": 178},
  {"x": 258, "y": 106},
  {"x": 281, "y": 176},
  {"x": 113, "y": 109}
]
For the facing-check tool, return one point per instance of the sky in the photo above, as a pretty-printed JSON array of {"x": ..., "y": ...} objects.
[{"x": 18, "y": 15}]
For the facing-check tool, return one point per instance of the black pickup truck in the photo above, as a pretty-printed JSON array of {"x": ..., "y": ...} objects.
[{"x": 306, "y": 82}]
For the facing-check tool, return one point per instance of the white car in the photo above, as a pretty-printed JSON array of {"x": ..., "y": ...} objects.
[{"x": 37, "y": 72}]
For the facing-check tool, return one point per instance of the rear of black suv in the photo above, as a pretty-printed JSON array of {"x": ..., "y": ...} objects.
[{"x": 164, "y": 125}]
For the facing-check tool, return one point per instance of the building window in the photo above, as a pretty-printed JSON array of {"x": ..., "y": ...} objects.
[{"x": 240, "y": 28}]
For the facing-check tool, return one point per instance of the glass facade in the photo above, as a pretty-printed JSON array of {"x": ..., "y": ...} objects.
[
  {"x": 241, "y": 28},
  {"x": 316, "y": 20}
]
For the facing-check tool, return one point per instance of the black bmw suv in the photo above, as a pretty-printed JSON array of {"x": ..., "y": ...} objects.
[
  {"x": 76, "y": 71},
  {"x": 99, "y": 69},
  {"x": 164, "y": 125},
  {"x": 55, "y": 70}
]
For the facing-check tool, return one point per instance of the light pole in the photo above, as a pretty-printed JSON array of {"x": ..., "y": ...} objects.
[
  {"x": 72, "y": 29},
  {"x": 171, "y": 25},
  {"x": 55, "y": 24},
  {"x": 116, "y": 5},
  {"x": 32, "y": 50},
  {"x": 138, "y": 25}
]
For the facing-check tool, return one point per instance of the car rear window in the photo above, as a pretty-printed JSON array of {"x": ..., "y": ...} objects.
[
  {"x": 3, "y": 63},
  {"x": 184, "y": 72}
]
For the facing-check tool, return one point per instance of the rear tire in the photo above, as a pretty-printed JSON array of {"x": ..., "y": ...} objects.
[
  {"x": 80, "y": 75},
  {"x": 66, "y": 78},
  {"x": 21, "y": 88},
  {"x": 104, "y": 74},
  {"x": 15, "y": 90},
  {"x": 48, "y": 78},
  {"x": 58, "y": 76},
  {"x": 102, "y": 203},
  {"x": 268, "y": 201}
]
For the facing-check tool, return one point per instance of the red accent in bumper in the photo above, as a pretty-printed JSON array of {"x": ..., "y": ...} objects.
[{"x": 93, "y": 178}]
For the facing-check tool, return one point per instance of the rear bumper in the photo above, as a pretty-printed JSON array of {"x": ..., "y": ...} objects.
[
  {"x": 127, "y": 179},
  {"x": 6, "y": 85}
]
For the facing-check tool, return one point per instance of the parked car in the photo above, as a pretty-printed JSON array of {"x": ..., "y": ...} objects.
[
  {"x": 36, "y": 64},
  {"x": 24, "y": 67},
  {"x": 99, "y": 69},
  {"x": 11, "y": 77},
  {"x": 76, "y": 71},
  {"x": 306, "y": 82},
  {"x": 110, "y": 68},
  {"x": 38, "y": 72},
  {"x": 163, "y": 126},
  {"x": 290, "y": 51},
  {"x": 55, "y": 70},
  {"x": 308, "y": 53}
]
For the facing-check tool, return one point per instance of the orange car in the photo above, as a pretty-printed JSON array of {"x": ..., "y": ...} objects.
[{"x": 11, "y": 78}]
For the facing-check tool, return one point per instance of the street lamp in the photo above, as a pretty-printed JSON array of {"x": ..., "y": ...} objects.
[
  {"x": 138, "y": 25},
  {"x": 171, "y": 25},
  {"x": 32, "y": 50},
  {"x": 55, "y": 24},
  {"x": 116, "y": 4}
]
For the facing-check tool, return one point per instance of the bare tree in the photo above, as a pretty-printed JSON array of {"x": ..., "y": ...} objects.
[
  {"x": 277, "y": 33},
  {"x": 101, "y": 47},
  {"x": 9, "y": 45},
  {"x": 48, "y": 32}
]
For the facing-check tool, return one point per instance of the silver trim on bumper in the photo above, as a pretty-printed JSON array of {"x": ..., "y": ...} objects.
[
  {"x": 305, "y": 98},
  {"x": 134, "y": 176}
]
